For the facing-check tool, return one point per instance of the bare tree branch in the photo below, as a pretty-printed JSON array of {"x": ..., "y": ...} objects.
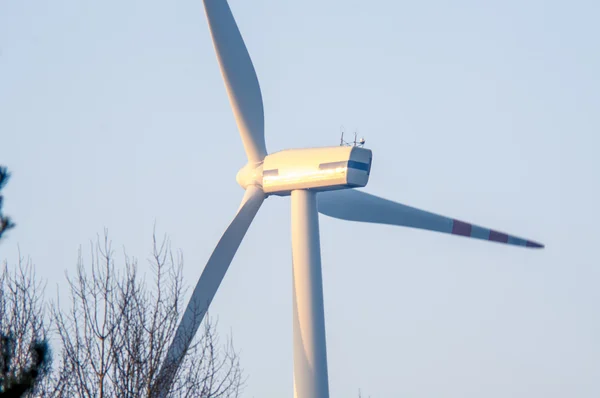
[
  {"x": 114, "y": 335},
  {"x": 118, "y": 331}
]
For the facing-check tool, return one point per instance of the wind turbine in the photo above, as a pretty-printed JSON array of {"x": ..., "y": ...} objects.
[{"x": 318, "y": 180}]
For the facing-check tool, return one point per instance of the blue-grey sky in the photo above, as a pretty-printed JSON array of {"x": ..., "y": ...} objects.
[{"x": 114, "y": 114}]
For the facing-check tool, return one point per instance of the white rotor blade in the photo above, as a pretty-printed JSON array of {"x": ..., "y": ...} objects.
[
  {"x": 240, "y": 78},
  {"x": 354, "y": 205},
  {"x": 207, "y": 286}
]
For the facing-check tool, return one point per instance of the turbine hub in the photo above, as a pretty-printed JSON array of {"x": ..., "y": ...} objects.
[{"x": 250, "y": 174}]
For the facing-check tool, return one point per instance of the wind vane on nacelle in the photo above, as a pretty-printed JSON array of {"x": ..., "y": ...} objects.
[{"x": 360, "y": 143}]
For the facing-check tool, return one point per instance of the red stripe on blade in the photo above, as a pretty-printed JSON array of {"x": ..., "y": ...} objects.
[
  {"x": 461, "y": 228},
  {"x": 498, "y": 237}
]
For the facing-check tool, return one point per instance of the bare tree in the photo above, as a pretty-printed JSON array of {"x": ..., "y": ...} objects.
[
  {"x": 114, "y": 336},
  {"x": 117, "y": 332}
]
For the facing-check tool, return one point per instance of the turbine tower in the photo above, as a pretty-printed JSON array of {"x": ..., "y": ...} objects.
[{"x": 321, "y": 180}]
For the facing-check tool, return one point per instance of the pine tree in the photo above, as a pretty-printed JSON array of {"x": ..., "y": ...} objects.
[
  {"x": 15, "y": 382},
  {"x": 5, "y": 222}
]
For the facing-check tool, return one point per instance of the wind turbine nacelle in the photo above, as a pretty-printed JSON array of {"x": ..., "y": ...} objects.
[{"x": 318, "y": 169}]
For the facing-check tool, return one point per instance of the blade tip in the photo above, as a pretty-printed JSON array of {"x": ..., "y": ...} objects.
[{"x": 534, "y": 245}]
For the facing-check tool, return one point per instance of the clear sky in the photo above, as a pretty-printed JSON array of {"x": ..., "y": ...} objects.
[{"x": 114, "y": 114}]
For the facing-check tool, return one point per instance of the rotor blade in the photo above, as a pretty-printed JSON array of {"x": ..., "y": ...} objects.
[
  {"x": 207, "y": 286},
  {"x": 240, "y": 78},
  {"x": 354, "y": 205}
]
